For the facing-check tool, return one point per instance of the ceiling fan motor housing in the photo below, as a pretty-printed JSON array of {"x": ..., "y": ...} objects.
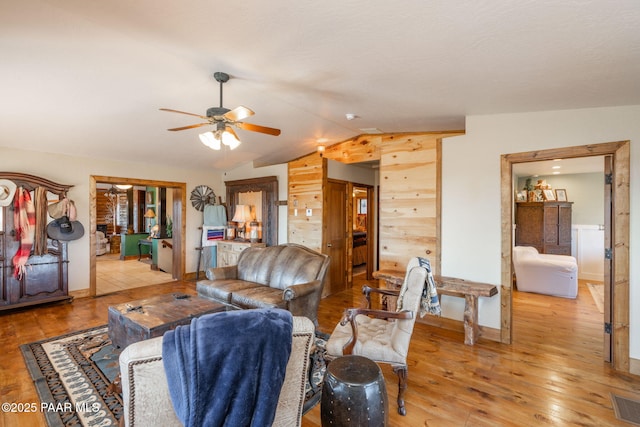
[{"x": 217, "y": 111}]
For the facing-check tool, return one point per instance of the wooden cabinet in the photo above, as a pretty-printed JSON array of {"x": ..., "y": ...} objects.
[
  {"x": 544, "y": 225},
  {"x": 229, "y": 251},
  {"x": 46, "y": 276}
]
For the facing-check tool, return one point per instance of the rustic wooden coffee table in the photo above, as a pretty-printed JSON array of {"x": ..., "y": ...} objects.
[{"x": 139, "y": 320}]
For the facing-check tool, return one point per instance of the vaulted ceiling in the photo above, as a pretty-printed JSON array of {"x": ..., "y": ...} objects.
[{"x": 88, "y": 78}]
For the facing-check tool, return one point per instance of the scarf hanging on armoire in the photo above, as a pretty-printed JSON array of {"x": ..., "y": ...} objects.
[
  {"x": 24, "y": 221},
  {"x": 40, "y": 239}
]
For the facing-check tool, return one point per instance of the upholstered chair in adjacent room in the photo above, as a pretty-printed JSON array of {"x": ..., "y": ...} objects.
[
  {"x": 101, "y": 243},
  {"x": 380, "y": 335}
]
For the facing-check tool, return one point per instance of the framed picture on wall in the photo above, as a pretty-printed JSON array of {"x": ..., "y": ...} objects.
[
  {"x": 548, "y": 195},
  {"x": 561, "y": 195},
  {"x": 362, "y": 206}
]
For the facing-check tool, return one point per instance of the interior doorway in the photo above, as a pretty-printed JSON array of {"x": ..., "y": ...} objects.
[
  {"x": 618, "y": 298},
  {"x": 178, "y": 210},
  {"x": 363, "y": 214}
]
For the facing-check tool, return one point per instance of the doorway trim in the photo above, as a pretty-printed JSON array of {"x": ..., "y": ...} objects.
[
  {"x": 179, "y": 222},
  {"x": 619, "y": 235}
]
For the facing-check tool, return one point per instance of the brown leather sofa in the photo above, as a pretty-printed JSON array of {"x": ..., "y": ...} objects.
[{"x": 288, "y": 276}]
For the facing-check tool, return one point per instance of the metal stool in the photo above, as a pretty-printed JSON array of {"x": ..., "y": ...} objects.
[{"x": 354, "y": 394}]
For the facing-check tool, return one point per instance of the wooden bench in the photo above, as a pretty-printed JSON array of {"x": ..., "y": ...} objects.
[{"x": 454, "y": 287}]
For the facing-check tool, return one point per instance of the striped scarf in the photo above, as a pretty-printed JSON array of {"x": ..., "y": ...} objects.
[
  {"x": 24, "y": 220},
  {"x": 429, "y": 303}
]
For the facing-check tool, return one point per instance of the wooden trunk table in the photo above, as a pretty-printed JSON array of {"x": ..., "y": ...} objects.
[{"x": 148, "y": 318}]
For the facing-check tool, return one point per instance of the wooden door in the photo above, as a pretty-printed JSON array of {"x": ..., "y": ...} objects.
[
  {"x": 608, "y": 258},
  {"x": 336, "y": 236}
]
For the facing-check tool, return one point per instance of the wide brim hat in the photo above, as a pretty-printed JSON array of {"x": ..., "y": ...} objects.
[
  {"x": 63, "y": 229},
  {"x": 7, "y": 191}
]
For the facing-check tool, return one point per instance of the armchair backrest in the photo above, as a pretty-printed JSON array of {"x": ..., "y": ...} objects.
[
  {"x": 408, "y": 300},
  {"x": 145, "y": 392}
]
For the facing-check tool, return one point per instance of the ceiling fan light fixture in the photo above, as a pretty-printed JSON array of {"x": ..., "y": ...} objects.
[
  {"x": 210, "y": 140},
  {"x": 230, "y": 140}
]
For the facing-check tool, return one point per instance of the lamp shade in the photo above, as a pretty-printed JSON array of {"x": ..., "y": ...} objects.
[
  {"x": 242, "y": 214},
  {"x": 149, "y": 213},
  {"x": 209, "y": 139}
]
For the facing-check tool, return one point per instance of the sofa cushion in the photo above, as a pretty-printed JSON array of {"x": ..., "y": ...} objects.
[
  {"x": 295, "y": 265},
  {"x": 258, "y": 297},
  {"x": 255, "y": 265},
  {"x": 224, "y": 288}
]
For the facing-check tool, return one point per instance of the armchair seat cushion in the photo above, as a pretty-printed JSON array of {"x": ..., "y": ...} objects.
[{"x": 374, "y": 340}]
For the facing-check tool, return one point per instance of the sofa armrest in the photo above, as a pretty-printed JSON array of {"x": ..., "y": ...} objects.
[
  {"x": 301, "y": 290},
  {"x": 217, "y": 273}
]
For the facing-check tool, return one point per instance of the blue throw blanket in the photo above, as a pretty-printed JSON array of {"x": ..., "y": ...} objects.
[{"x": 227, "y": 369}]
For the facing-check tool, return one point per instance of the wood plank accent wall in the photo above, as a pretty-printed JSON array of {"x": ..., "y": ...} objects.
[
  {"x": 307, "y": 177},
  {"x": 408, "y": 201},
  {"x": 409, "y": 193}
]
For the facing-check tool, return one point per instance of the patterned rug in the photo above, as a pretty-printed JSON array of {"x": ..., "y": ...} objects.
[{"x": 72, "y": 374}]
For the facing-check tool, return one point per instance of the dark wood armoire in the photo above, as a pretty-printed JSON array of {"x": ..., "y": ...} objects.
[
  {"x": 46, "y": 276},
  {"x": 544, "y": 225}
]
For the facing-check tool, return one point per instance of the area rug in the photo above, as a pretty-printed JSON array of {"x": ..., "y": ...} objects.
[
  {"x": 72, "y": 374},
  {"x": 597, "y": 292}
]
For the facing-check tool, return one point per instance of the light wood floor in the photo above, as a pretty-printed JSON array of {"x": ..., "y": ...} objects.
[
  {"x": 114, "y": 274},
  {"x": 552, "y": 374}
]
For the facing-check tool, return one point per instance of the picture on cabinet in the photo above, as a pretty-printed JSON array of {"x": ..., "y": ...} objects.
[
  {"x": 561, "y": 195},
  {"x": 548, "y": 195}
]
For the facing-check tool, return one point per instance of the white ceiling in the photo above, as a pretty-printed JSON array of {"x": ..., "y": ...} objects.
[{"x": 87, "y": 77}]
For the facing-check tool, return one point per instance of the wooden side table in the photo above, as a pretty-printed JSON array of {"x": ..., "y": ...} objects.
[{"x": 114, "y": 244}]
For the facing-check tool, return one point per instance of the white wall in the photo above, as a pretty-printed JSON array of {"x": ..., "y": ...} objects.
[
  {"x": 76, "y": 171},
  {"x": 471, "y": 190},
  {"x": 248, "y": 171},
  {"x": 585, "y": 190}
]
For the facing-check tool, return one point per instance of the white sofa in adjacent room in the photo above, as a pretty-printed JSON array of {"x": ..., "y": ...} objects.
[{"x": 548, "y": 274}]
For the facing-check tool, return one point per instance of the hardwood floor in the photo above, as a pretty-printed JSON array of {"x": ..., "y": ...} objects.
[{"x": 552, "y": 374}]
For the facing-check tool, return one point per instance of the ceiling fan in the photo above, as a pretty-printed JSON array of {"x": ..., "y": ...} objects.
[{"x": 223, "y": 119}]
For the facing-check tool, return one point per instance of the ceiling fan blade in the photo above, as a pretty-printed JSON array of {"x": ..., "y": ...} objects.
[
  {"x": 257, "y": 128},
  {"x": 183, "y": 112},
  {"x": 238, "y": 113},
  {"x": 190, "y": 126}
]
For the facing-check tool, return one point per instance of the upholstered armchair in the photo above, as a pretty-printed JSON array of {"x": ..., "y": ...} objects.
[
  {"x": 383, "y": 336},
  {"x": 549, "y": 274},
  {"x": 101, "y": 243},
  {"x": 145, "y": 391}
]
